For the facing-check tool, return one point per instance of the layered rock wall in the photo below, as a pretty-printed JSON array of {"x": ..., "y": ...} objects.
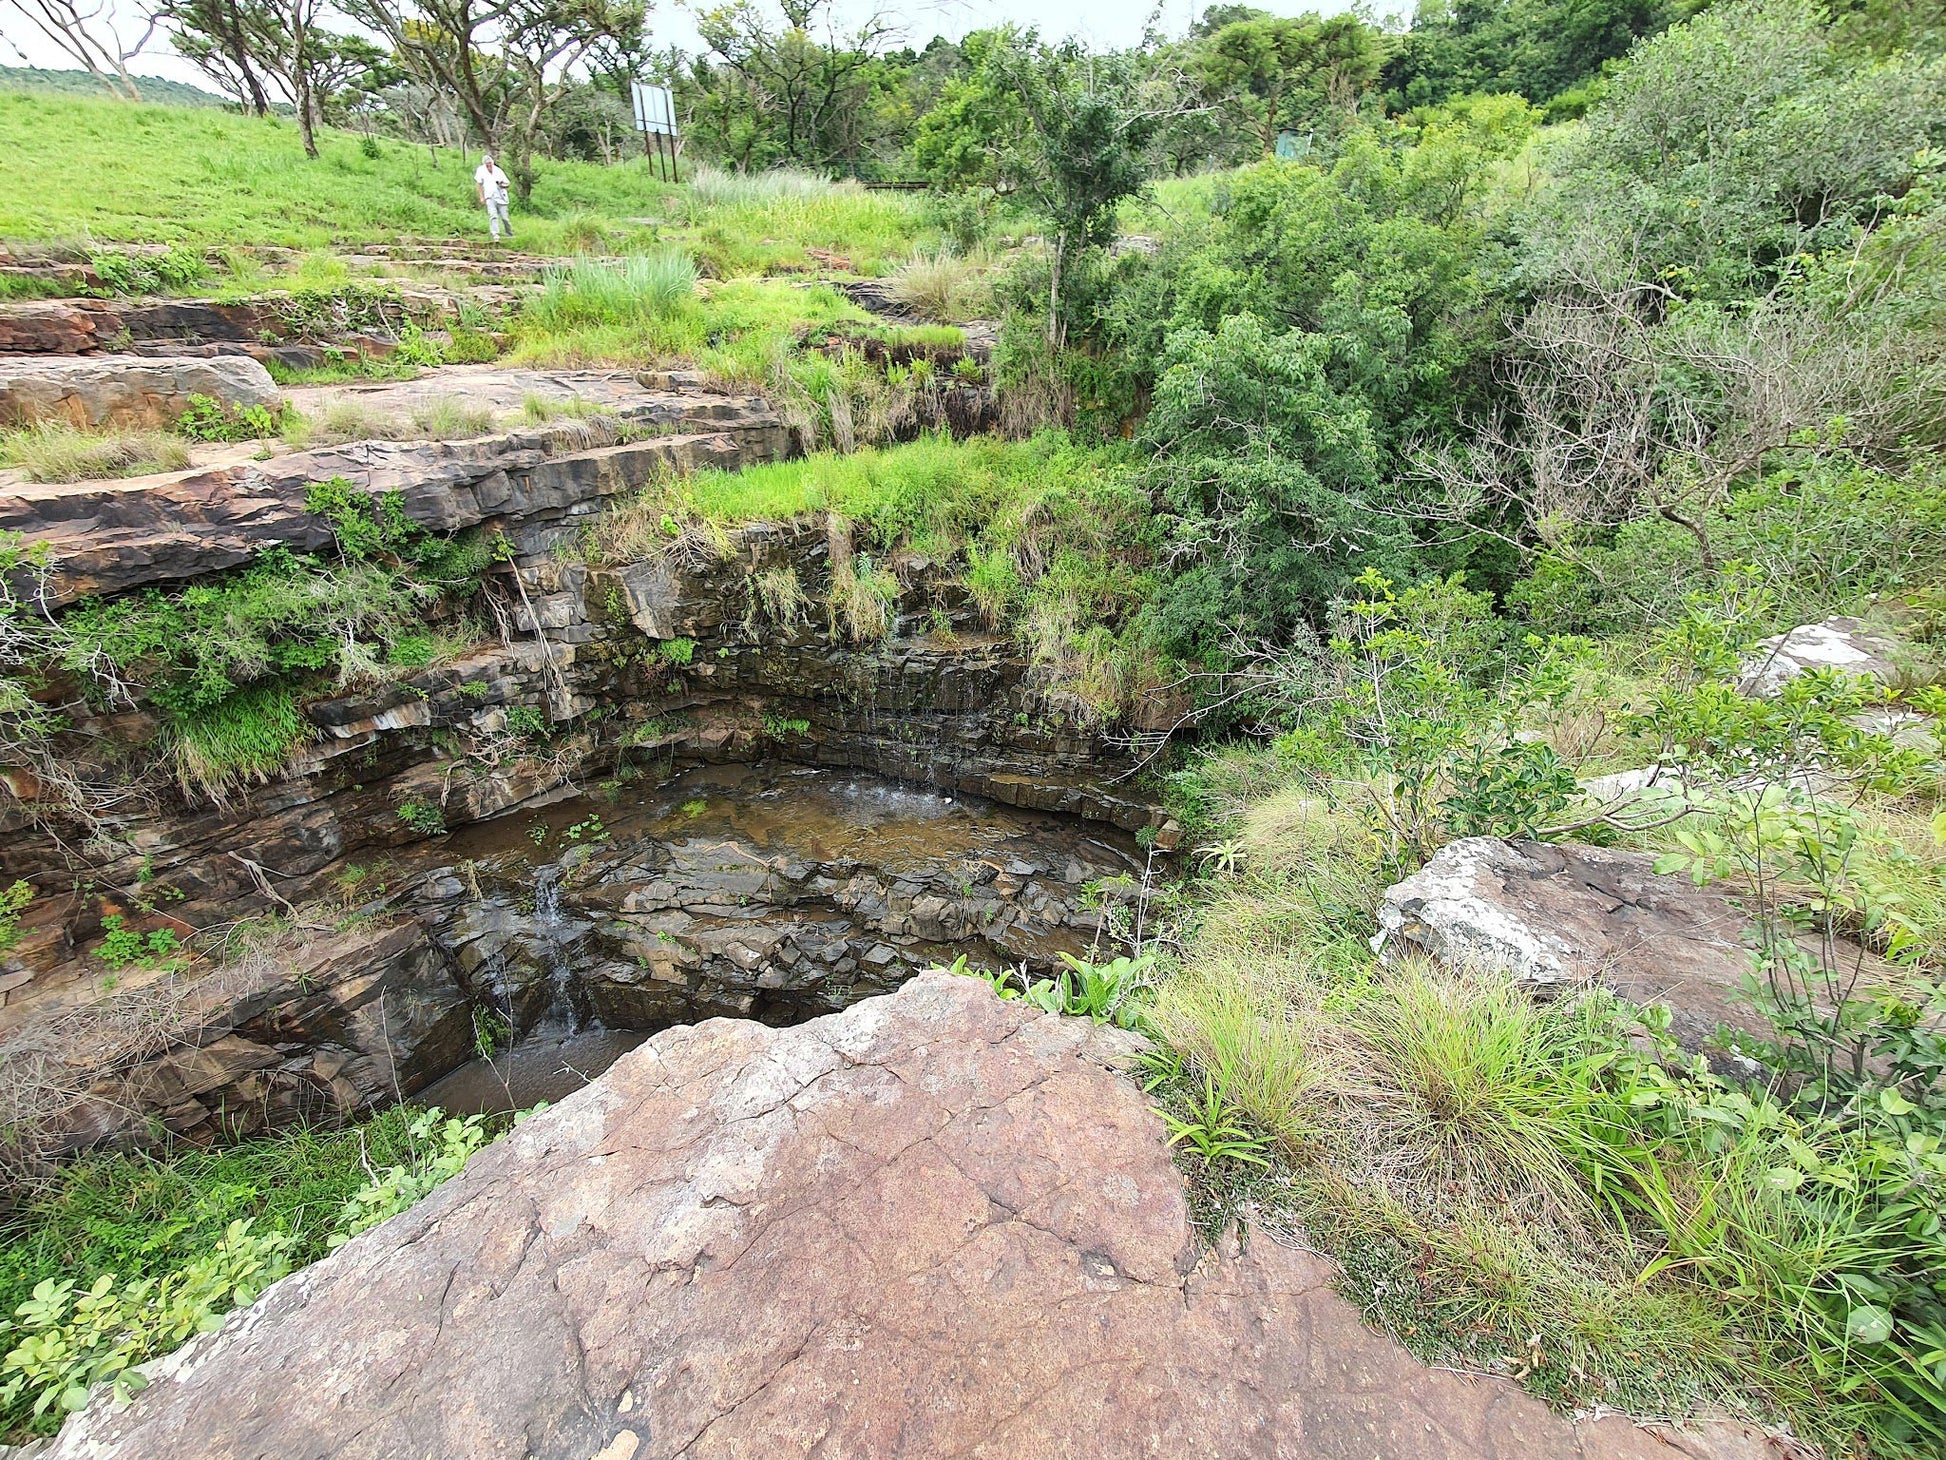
[{"x": 714, "y": 650}]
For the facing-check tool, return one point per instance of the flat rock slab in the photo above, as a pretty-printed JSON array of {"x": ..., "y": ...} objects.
[
  {"x": 505, "y": 392},
  {"x": 933, "y": 1225},
  {"x": 123, "y": 390}
]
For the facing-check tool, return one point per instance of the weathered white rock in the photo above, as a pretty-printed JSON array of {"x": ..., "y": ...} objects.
[
  {"x": 933, "y": 1225},
  {"x": 1838, "y": 643},
  {"x": 127, "y": 390},
  {"x": 1560, "y": 915}
]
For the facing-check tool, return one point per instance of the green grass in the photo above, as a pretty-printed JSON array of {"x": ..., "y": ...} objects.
[
  {"x": 108, "y": 171},
  {"x": 140, "y": 1215},
  {"x": 53, "y": 451},
  {"x": 634, "y": 312},
  {"x": 1054, "y": 535}
]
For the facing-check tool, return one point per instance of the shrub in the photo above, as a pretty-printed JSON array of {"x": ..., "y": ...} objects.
[
  {"x": 13, "y": 902},
  {"x": 67, "y": 1342},
  {"x": 440, "y": 1146},
  {"x": 209, "y": 419}
]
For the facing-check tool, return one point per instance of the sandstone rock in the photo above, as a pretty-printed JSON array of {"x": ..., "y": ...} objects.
[
  {"x": 112, "y": 536},
  {"x": 934, "y": 1225},
  {"x": 1840, "y": 643},
  {"x": 57, "y": 326},
  {"x": 1559, "y": 915},
  {"x": 127, "y": 390}
]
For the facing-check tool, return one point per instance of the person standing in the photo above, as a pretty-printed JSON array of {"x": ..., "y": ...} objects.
[{"x": 491, "y": 184}]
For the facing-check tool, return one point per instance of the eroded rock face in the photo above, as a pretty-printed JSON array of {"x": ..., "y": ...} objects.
[
  {"x": 1560, "y": 915},
  {"x": 1844, "y": 644},
  {"x": 934, "y": 1225},
  {"x": 127, "y": 390},
  {"x": 110, "y": 537}
]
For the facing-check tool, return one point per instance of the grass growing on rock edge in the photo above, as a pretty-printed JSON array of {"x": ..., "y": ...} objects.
[
  {"x": 1053, "y": 539},
  {"x": 1518, "y": 1187}
]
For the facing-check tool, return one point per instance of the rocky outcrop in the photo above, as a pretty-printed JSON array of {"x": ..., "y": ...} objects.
[
  {"x": 128, "y": 391},
  {"x": 109, "y": 537},
  {"x": 80, "y": 326},
  {"x": 1561, "y": 915},
  {"x": 1844, "y": 644},
  {"x": 312, "y": 1029},
  {"x": 933, "y": 1225}
]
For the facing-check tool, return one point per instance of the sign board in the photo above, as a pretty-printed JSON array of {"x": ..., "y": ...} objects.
[{"x": 655, "y": 109}]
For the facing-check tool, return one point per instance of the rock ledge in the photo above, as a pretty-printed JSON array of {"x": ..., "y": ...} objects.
[{"x": 933, "y": 1225}]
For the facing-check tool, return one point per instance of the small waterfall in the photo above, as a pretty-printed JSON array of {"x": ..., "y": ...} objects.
[{"x": 549, "y": 930}]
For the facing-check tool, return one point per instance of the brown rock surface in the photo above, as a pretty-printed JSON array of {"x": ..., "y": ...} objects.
[
  {"x": 125, "y": 390},
  {"x": 1556, "y": 915},
  {"x": 933, "y": 1225}
]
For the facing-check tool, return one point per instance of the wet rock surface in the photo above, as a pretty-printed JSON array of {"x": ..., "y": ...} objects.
[
  {"x": 932, "y": 1225},
  {"x": 126, "y": 391},
  {"x": 776, "y": 893}
]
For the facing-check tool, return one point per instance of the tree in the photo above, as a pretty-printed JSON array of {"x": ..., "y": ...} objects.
[
  {"x": 1281, "y": 74},
  {"x": 793, "y": 93},
  {"x": 1264, "y": 474},
  {"x": 504, "y": 62},
  {"x": 1062, "y": 129},
  {"x": 238, "y": 43},
  {"x": 1538, "y": 48},
  {"x": 90, "y": 34}
]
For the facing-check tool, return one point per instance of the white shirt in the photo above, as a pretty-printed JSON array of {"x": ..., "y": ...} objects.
[{"x": 492, "y": 181}]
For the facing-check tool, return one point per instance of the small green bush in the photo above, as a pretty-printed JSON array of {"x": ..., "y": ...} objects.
[
  {"x": 66, "y": 1342},
  {"x": 13, "y": 902},
  {"x": 209, "y": 419}
]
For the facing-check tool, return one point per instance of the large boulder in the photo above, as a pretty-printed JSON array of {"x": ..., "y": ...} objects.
[
  {"x": 122, "y": 390},
  {"x": 1556, "y": 916},
  {"x": 934, "y": 1224},
  {"x": 1839, "y": 643}
]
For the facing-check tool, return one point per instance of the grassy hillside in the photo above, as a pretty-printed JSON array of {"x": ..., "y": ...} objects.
[
  {"x": 122, "y": 173},
  {"x": 115, "y": 173},
  {"x": 80, "y": 83}
]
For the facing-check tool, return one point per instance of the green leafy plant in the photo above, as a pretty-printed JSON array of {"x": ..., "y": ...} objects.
[
  {"x": 69, "y": 1341},
  {"x": 1214, "y": 1130},
  {"x": 123, "y": 947},
  {"x": 13, "y": 902},
  {"x": 423, "y": 816},
  {"x": 491, "y": 1032},
  {"x": 440, "y": 1148},
  {"x": 208, "y": 419}
]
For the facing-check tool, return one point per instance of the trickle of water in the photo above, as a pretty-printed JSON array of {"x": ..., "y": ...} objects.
[{"x": 548, "y": 924}]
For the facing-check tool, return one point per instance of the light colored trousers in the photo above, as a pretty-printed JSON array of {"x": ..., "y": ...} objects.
[{"x": 497, "y": 217}]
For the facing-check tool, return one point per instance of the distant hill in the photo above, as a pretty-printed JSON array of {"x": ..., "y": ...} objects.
[{"x": 80, "y": 83}]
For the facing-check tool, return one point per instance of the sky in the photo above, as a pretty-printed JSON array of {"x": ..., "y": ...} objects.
[{"x": 1102, "y": 23}]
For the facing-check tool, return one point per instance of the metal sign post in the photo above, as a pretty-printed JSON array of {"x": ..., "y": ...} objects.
[{"x": 655, "y": 119}]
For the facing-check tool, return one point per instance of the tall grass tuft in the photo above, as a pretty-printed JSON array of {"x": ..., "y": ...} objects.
[
  {"x": 638, "y": 290},
  {"x": 943, "y": 287},
  {"x": 711, "y": 187},
  {"x": 53, "y": 451}
]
